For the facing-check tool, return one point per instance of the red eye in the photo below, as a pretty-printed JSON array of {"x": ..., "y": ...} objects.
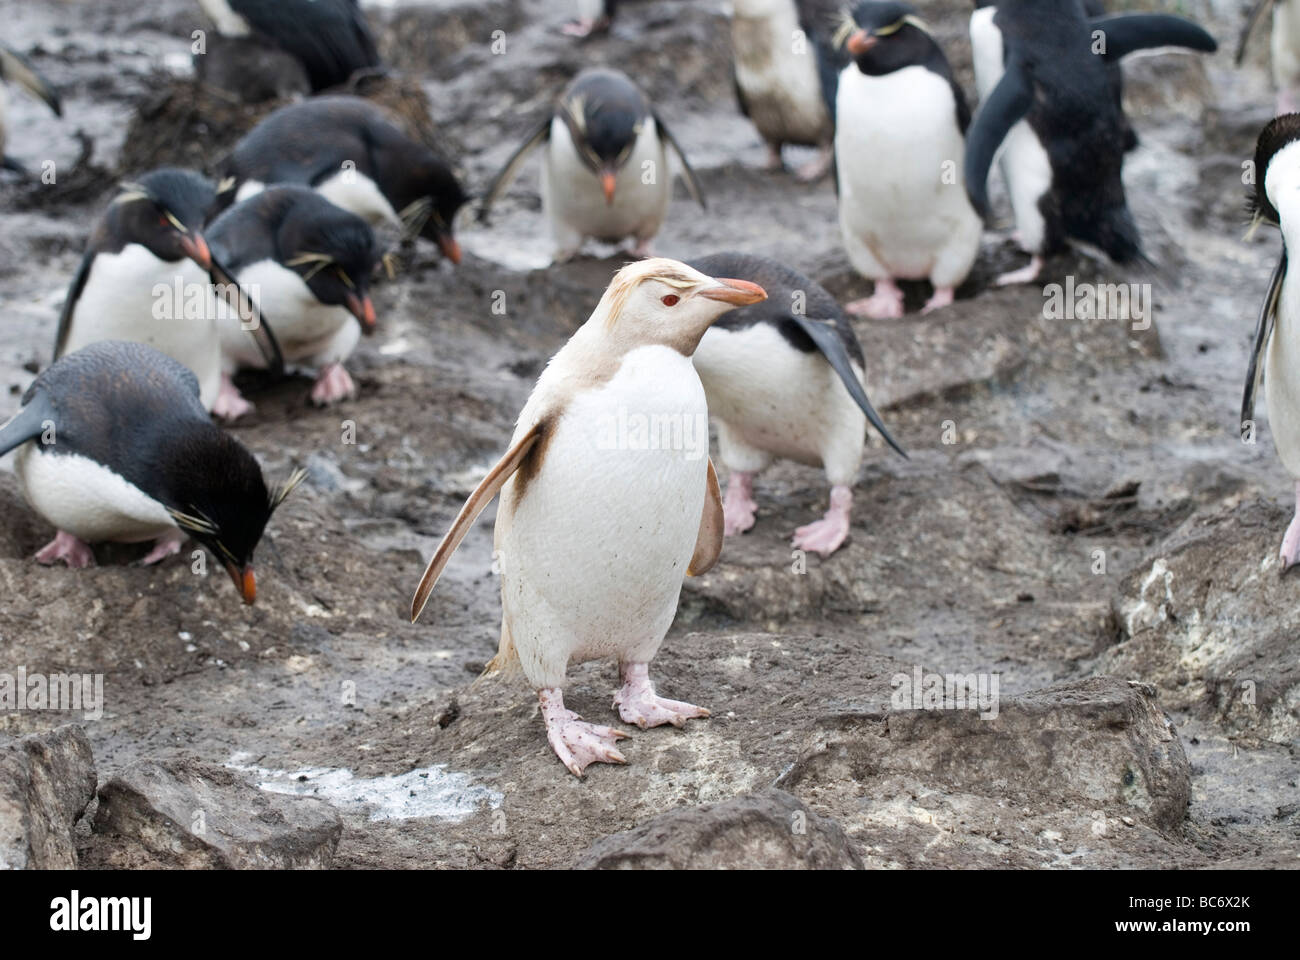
[
  {"x": 163, "y": 221},
  {"x": 671, "y": 300}
]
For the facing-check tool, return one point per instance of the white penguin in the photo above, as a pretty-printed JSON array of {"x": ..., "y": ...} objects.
[
  {"x": 608, "y": 499},
  {"x": 899, "y": 143}
]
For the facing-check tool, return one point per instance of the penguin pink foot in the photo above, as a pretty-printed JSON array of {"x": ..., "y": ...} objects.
[
  {"x": 644, "y": 249},
  {"x": 885, "y": 303},
  {"x": 816, "y": 168},
  {"x": 230, "y": 403},
  {"x": 585, "y": 26},
  {"x": 942, "y": 298},
  {"x": 637, "y": 703},
  {"x": 74, "y": 552},
  {"x": 164, "y": 547},
  {"x": 1026, "y": 274},
  {"x": 827, "y": 534},
  {"x": 1290, "y": 552},
  {"x": 577, "y": 744},
  {"x": 774, "y": 163},
  {"x": 332, "y": 384},
  {"x": 739, "y": 507}
]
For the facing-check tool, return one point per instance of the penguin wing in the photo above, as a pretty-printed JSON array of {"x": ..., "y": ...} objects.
[
  {"x": 28, "y": 422},
  {"x": 483, "y": 494},
  {"x": 540, "y": 134},
  {"x": 16, "y": 68},
  {"x": 70, "y": 303},
  {"x": 1126, "y": 33},
  {"x": 692, "y": 184},
  {"x": 827, "y": 339},
  {"x": 708, "y": 545},
  {"x": 1256, "y": 13},
  {"x": 1005, "y": 106},
  {"x": 1263, "y": 331},
  {"x": 225, "y": 285}
]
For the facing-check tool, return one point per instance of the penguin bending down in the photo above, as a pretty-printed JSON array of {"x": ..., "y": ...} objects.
[
  {"x": 598, "y": 524},
  {"x": 307, "y": 263},
  {"x": 1045, "y": 72},
  {"x": 1276, "y": 353},
  {"x": 114, "y": 445},
  {"x": 900, "y": 119},
  {"x": 604, "y": 166},
  {"x": 147, "y": 275},
  {"x": 784, "y": 378},
  {"x": 784, "y": 66},
  {"x": 16, "y": 69},
  {"x": 348, "y": 150},
  {"x": 1284, "y": 47}
]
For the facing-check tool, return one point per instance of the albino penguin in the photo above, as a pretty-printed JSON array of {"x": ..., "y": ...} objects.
[
  {"x": 899, "y": 141},
  {"x": 605, "y": 169},
  {"x": 608, "y": 499}
]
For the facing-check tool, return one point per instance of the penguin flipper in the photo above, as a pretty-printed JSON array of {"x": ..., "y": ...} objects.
[
  {"x": 1263, "y": 332},
  {"x": 1256, "y": 12},
  {"x": 827, "y": 340},
  {"x": 16, "y": 68},
  {"x": 1126, "y": 33},
  {"x": 1002, "y": 110},
  {"x": 536, "y": 137},
  {"x": 483, "y": 494},
  {"x": 27, "y": 423},
  {"x": 688, "y": 174},
  {"x": 70, "y": 304},
  {"x": 244, "y": 306},
  {"x": 708, "y": 545}
]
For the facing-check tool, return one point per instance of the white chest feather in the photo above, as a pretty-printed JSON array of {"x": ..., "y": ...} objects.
[
  {"x": 308, "y": 331},
  {"x": 133, "y": 295},
  {"x": 572, "y": 194},
  {"x": 776, "y": 70},
  {"x": 357, "y": 193},
  {"x": 229, "y": 23},
  {"x": 1282, "y": 364},
  {"x": 87, "y": 499}
]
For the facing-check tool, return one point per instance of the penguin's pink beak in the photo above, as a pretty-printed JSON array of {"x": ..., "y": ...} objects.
[
  {"x": 738, "y": 293},
  {"x": 363, "y": 310},
  {"x": 860, "y": 42},
  {"x": 196, "y": 248},
  {"x": 450, "y": 248},
  {"x": 608, "y": 181}
]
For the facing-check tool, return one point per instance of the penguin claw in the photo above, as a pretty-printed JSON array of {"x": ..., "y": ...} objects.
[
  {"x": 332, "y": 384},
  {"x": 230, "y": 403},
  {"x": 738, "y": 508},
  {"x": 637, "y": 702},
  {"x": 74, "y": 552},
  {"x": 576, "y": 743},
  {"x": 885, "y": 303}
]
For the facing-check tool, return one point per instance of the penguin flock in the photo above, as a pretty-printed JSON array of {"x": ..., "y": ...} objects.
[{"x": 272, "y": 257}]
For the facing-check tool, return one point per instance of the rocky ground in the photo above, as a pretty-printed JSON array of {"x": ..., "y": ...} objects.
[{"x": 1079, "y": 517}]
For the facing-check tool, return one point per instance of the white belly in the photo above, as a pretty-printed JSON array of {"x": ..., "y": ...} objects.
[
  {"x": 357, "y": 193},
  {"x": 894, "y": 135},
  {"x": 593, "y": 556},
  {"x": 1282, "y": 378},
  {"x": 86, "y": 499},
  {"x": 572, "y": 194},
  {"x": 782, "y": 90},
  {"x": 308, "y": 331},
  {"x": 132, "y": 295}
]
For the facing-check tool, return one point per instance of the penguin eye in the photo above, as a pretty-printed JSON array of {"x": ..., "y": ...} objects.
[
  {"x": 671, "y": 300},
  {"x": 163, "y": 221}
]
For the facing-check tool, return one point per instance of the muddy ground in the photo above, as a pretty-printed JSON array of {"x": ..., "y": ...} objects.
[{"x": 1078, "y": 505}]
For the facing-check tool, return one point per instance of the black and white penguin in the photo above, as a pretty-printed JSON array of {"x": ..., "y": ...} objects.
[
  {"x": 147, "y": 275},
  {"x": 785, "y": 68},
  {"x": 1275, "y": 356},
  {"x": 330, "y": 38},
  {"x": 594, "y": 16},
  {"x": 307, "y": 264},
  {"x": 1046, "y": 75},
  {"x": 114, "y": 445},
  {"x": 17, "y": 70},
  {"x": 348, "y": 150},
  {"x": 605, "y": 173},
  {"x": 1284, "y": 47},
  {"x": 785, "y": 378},
  {"x": 899, "y": 128}
]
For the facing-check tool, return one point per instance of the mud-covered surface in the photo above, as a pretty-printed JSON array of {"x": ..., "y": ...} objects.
[{"x": 1078, "y": 511}]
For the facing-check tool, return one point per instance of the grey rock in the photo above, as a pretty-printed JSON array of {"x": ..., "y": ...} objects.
[{"x": 46, "y": 780}]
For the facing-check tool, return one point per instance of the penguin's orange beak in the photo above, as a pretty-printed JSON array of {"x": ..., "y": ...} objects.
[
  {"x": 860, "y": 42},
  {"x": 738, "y": 293},
  {"x": 196, "y": 248},
  {"x": 450, "y": 248},
  {"x": 363, "y": 310},
  {"x": 608, "y": 181},
  {"x": 245, "y": 582}
]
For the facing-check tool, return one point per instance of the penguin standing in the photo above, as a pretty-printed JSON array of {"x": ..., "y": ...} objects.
[
  {"x": 1276, "y": 353},
  {"x": 598, "y": 524},
  {"x": 605, "y": 165},
  {"x": 114, "y": 445},
  {"x": 16, "y": 69},
  {"x": 1045, "y": 71},
  {"x": 147, "y": 276},
  {"x": 900, "y": 119},
  {"x": 348, "y": 150},
  {"x": 307, "y": 264},
  {"x": 784, "y": 65},
  {"x": 784, "y": 378},
  {"x": 1284, "y": 46}
]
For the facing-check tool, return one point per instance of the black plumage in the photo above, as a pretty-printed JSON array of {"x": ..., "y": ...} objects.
[{"x": 330, "y": 38}]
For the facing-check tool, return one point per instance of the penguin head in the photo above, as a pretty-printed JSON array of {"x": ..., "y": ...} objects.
[
  {"x": 219, "y": 497},
  {"x": 429, "y": 197},
  {"x": 334, "y": 252},
  {"x": 164, "y": 211},
  {"x": 1274, "y": 179},
  {"x": 883, "y": 36},
  {"x": 605, "y": 113},
  {"x": 661, "y": 301}
]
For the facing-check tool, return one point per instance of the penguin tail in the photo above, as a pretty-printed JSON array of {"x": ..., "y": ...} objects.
[{"x": 506, "y": 663}]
